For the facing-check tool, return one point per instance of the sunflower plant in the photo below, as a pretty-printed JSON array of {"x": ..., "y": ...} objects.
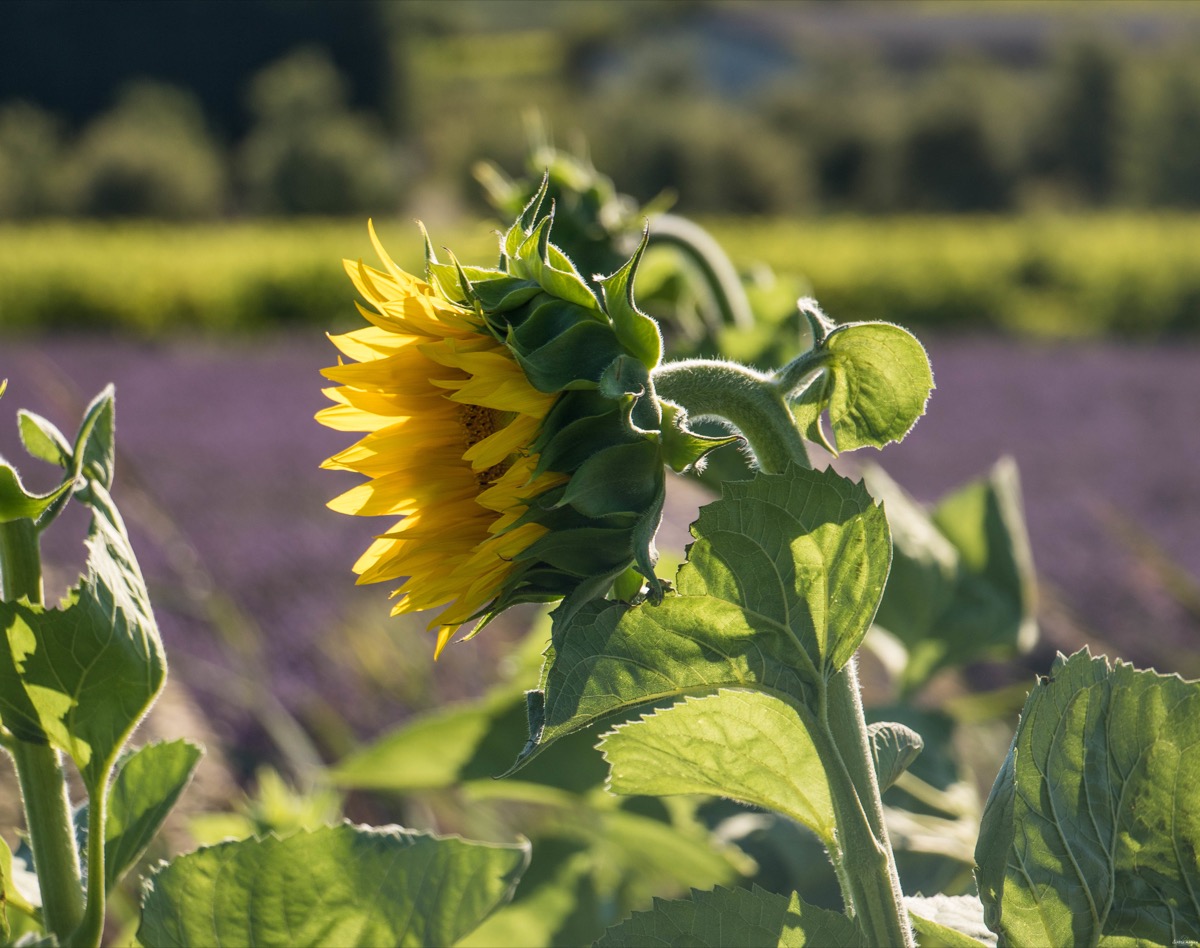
[
  {"x": 517, "y": 424},
  {"x": 738, "y": 678}
]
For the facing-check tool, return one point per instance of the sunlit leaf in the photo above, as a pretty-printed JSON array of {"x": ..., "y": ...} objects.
[
  {"x": 744, "y": 745},
  {"x": 781, "y": 585},
  {"x": 1093, "y": 827},
  {"x": 83, "y": 674},
  {"x": 147, "y": 785},
  {"x": 19, "y": 503},
  {"x": 342, "y": 885},
  {"x": 43, "y": 440},
  {"x": 879, "y": 383}
]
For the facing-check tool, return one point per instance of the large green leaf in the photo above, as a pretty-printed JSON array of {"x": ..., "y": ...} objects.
[
  {"x": 147, "y": 785},
  {"x": 779, "y": 589},
  {"x": 1092, "y": 830},
  {"x": 89, "y": 670},
  {"x": 744, "y": 745},
  {"x": 733, "y": 918},
  {"x": 342, "y": 885}
]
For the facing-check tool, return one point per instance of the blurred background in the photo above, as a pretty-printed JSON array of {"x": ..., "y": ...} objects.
[{"x": 1016, "y": 182}]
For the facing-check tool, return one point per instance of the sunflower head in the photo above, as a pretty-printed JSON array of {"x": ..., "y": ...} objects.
[{"x": 512, "y": 427}]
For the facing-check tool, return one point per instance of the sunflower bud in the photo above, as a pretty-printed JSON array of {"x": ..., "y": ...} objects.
[{"x": 513, "y": 424}]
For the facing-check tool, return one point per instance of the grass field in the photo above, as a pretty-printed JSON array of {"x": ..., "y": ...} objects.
[{"x": 1062, "y": 277}]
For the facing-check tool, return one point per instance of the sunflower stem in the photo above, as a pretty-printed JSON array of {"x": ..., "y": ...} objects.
[
  {"x": 39, "y": 766},
  {"x": 748, "y": 400}
]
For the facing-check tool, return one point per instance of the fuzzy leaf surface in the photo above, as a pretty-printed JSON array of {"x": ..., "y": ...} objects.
[
  {"x": 745, "y": 745},
  {"x": 1092, "y": 830},
  {"x": 876, "y": 385},
  {"x": 89, "y": 670},
  {"x": 340, "y": 885},
  {"x": 779, "y": 589},
  {"x": 733, "y": 918}
]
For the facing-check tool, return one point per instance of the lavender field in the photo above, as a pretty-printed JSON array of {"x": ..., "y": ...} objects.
[{"x": 218, "y": 477}]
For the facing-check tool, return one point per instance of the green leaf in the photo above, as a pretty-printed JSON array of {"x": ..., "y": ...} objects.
[
  {"x": 436, "y": 750},
  {"x": 5, "y": 884},
  {"x": 962, "y": 586},
  {"x": 95, "y": 447},
  {"x": 637, "y": 332},
  {"x": 779, "y": 589},
  {"x": 744, "y": 745},
  {"x": 808, "y": 549},
  {"x": 147, "y": 785},
  {"x": 616, "y": 480},
  {"x": 1092, "y": 829},
  {"x": 575, "y": 358},
  {"x": 342, "y": 885},
  {"x": 879, "y": 383},
  {"x": 682, "y": 852},
  {"x": 90, "y": 669},
  {"x": 894, "y": 747},
  {"x": 733, "y": 918},
  {"x": 555, "y": 903},
  {"x": 948, "y": 921},
  {"x": 43, "y": 440},
  {"x": 17, "y": 503},
  {"x": 18, "y": 891},
  {"x": 682, "y": 447}
]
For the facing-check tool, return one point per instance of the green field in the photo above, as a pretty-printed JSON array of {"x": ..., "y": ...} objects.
[{"x": 1064, "y": 277}]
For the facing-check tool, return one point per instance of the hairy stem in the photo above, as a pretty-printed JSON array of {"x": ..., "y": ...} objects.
[
  {"x": 878, "y": 901},
  {"x": 748, "y": 400},
  {"x": 39, "y": 766}
]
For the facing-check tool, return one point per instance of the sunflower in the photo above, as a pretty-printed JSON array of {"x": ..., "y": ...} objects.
[
  {"x": 511, "y": 426},
  {"x": 450, "y": 419}
]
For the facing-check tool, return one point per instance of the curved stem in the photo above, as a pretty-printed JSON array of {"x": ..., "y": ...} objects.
[
  {"x": 748, "y": 400},
  {"x": 39, "y": 766},
  {"x": 718, "y": 272}
]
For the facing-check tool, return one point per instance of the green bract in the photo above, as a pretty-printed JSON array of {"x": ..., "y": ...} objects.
[{"x": 608, "y": 430}]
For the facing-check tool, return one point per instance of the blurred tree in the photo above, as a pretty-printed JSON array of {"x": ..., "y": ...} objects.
[
  {"x": 946, "y": 164},
  {"x": 716, "y": 156},
  {"x": 30, "y": 160},
  {"x": 72, "y": 56},
  {"x": 150, "y": 155},
  {"x": 1175, "y": 160},
  {"x": 1083, "y": 124},
  {"x": 307, "y": 153}
]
